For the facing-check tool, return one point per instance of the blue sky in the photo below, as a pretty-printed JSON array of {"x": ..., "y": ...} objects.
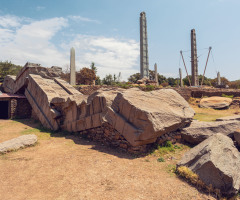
[{"x": 107, "y": 32}]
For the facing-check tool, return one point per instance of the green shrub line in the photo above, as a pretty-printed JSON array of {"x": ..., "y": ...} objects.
[{"x": 228, "y": 96}]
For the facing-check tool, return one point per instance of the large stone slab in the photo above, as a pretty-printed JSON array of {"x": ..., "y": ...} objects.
[
  {"x": 229, "y": 118},
  {"x": 217, "y": 162},
  {"x": 141, "y": 117},
  {"x": 9, "y": 84},
  {"x": 17, "y": 143},
  {"x": 152, "y": 113},
  {"x": 199, "y": 131},
  {"x": 215, "y": 102}
]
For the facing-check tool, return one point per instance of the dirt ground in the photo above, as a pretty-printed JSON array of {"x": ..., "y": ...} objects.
[{"x": 68, "y": 167}]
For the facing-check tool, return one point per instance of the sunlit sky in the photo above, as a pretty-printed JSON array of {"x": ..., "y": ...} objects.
[{"x": 107, "y": 32}]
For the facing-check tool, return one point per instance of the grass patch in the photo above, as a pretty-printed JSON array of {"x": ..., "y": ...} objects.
[
  {"x": 228, "y": 96},
  {"x": 186, "y": 173},
  {"x": 207, "y": 117},
  {"x": 171, "y": 169},
  {"x": 150, "y": 87},
  {"x": 161, "y": 159},
  {"x": 44, "y": 133},
  {"x": 40, "y": 131},
  {"x": 191, "y": 177},
  {"x": 167, "y": 149}
]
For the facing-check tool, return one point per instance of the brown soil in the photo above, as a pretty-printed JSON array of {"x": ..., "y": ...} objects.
[{"x": 69, "y": 167}]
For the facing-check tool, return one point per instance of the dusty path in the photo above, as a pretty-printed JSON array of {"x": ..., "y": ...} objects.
[{"x": 73, "y": 168}]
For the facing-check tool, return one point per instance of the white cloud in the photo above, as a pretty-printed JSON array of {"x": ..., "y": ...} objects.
[
  {"x": 82, "y": 19},
  {"x": 27, "y": 40},
  {"x": 31, "y": 42},
  {"x": 110, "y": 55},
  {"x": 5, "y": 36},
  {"x": 8, "y": 21}
]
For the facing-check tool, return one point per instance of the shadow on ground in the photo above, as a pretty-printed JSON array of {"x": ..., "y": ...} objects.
[{"x": 77, "y": 139}]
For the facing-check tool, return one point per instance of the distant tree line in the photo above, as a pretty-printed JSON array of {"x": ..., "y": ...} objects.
[
  {"x": 86, "y": 76},
  {"x": 8, "y": 68},
  {"x": 173, "y": 82}
]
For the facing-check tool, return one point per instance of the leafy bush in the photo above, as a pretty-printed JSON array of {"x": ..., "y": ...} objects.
[
  {"x": 124, "y": 85},
  {"x": 168, "y": 147},
  {"x": 161, "y": 159},
  {"x": 86, "y": 76},
  {"x": 228, "y": 96},
  {"x": 150, "y": 87}
]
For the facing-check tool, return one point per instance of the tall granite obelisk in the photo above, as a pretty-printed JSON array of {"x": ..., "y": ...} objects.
[
  {"x": 144, "y": 64},
  {"x": 72, "y": 67},
  {"x": 218, "y": 79},
  {"x": 194, "y": 59}
]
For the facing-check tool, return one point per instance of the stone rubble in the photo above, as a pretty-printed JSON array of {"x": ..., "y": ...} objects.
[
  {"x": 217, "y": 162},
  {"x": 198, "y": 131},
  {"x": 140, "y": 117},
  {"x": 17, "y": 143}
]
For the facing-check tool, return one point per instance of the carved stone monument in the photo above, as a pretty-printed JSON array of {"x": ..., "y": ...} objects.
[
  {"x": 144, "y": 64},
  {"x": 194, "y": 59},
  {"x": 218, "y": 79},
  {"x": 72, "y": 67}
]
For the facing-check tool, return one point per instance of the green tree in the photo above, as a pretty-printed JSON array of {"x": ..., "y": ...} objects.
[
  {"x": 224, "y": 81},
  {"x": 98, "y": 81},
  {"x": 93, "y": 67},
  {"x": 108, "y": 80},
  {"x": 186, "y": 81},
  {"x": 235, "y": 84},
  {"x": 86, "y": 76},
  {"x": 8, "y": 68},
  {"x": 114, "y": 78},
  {"x": 206, "y": 81},
  {"x": 134, "y": 78},
  {"x": 172, "y": 81},
  {"x": 162, "y": 79}
]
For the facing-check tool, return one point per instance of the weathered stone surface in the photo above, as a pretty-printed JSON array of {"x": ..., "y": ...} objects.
[
  {"x": 15, "y": 84},
  {"x": 33, "y": 68},
  {"x": 215, "y": 102},
  {"x": 41, "y": 93},
  {"x": 17, "y": 143},
  {"x": 199, "y": 131},
  {"x": 229, "y": 118},
  {"x": 141, "y": 117},
  {"x": 151, "y": 113},
  {"x": 237, "y": 136},
  {"x": 9, "y": 84},
  {"x": 217, "y": 162}
]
